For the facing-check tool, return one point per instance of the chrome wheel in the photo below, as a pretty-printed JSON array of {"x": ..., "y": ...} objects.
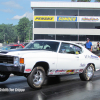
[
  {"x": 38, "y": 77},
  {"x": 89, "y": 72}
]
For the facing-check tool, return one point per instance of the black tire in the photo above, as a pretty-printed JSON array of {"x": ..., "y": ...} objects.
[
  {"x": 88, "y": 73},
  {"x": 4, "y": 77},
  {"x": 34, "y": 80}
]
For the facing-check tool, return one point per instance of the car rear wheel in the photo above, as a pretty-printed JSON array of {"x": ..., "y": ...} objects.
[
  {"x": 36, "y": 77},
  {"x": 3, "y": 77},
  {"x": 88, "y": 73}
]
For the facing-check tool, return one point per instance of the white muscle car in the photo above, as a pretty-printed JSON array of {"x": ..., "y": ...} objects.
[{"x": 42, "y": 58}]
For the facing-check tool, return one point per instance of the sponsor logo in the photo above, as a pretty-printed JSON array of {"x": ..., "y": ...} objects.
[
  {"x": 70, "y": 70},
  {"x": 82, "y": 65},
  {"x": 90, "y": 19},
  {"x": 51, "y": 73},
  {"x": 57, "y": 71},
  {"x": 72, "y": 73},
  {"x": 91, "y": 57},
  {"x": 43, "y": 18},
  {"x": 67, "y": 19}
]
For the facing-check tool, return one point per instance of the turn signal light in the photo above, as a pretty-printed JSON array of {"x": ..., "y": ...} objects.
[
  {"x": 21, "y": 60},
  {"x": 99, "y": 56}
]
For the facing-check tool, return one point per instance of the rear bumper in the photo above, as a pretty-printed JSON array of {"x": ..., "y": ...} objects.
[{"x": 11, "y": 68}]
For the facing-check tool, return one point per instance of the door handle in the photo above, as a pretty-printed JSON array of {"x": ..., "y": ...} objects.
[{"x": 77, "y": 56}]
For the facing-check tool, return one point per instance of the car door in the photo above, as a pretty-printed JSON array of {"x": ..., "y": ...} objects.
[{"x": 69, "y": 57}]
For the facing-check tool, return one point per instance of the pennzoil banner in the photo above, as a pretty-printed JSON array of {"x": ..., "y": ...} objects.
[
  {"x": 67, "y": 18},
  {"x": 44, "y": 18}
]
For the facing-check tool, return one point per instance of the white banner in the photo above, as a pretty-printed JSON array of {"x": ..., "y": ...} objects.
[{"x": 89, "y": 19}]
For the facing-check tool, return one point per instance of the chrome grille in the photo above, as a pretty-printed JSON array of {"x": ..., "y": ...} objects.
[{"x": 6, "y": 59}]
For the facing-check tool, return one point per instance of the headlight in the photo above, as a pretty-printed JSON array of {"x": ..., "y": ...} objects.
[{"x": 16, "y": 61}]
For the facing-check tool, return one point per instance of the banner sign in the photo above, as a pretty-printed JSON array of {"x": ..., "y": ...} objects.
[
  {"x": 44, "y": 18},
  {"x": 89, "y": 19},
  {"x": 67, "y": 18}
]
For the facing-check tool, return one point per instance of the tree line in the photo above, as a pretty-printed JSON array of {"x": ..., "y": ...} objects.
[
  {"x": 84, "y": 0},
  {"x": 12, "y": 33}
]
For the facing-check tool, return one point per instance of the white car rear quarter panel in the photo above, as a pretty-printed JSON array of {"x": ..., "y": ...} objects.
[{"x": 89, "y": 57}]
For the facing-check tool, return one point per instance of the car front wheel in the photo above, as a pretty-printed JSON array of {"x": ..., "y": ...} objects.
[
  {"x": 88, "y": 73},
  {"x": 36, "y": 77}
]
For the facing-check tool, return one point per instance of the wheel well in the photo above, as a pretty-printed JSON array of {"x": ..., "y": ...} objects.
[
  {"x": 45, "y": 65},
  {"x": 93, "y": 65}
]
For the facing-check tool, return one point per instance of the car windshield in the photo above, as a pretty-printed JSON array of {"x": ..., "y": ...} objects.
[{"x": 43, "y": 45}]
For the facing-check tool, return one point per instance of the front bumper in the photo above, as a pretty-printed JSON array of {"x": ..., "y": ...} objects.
[{"x": 11, "y": 68}]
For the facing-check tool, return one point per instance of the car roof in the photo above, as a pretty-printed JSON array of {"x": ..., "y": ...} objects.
[
  {"x": 58, "y": 41},
  {"x": 52, "y": 40}
]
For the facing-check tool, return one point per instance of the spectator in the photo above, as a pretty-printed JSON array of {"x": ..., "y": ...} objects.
[
  {"x": 18, "y": 42},
  {"x": 88, "y": 45},
  {"x": 97, "y": 46}
]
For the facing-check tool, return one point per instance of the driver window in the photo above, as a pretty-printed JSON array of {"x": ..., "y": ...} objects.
[
  {"x": 77, "y": 49},
  {"x": 69, "y": 48}
]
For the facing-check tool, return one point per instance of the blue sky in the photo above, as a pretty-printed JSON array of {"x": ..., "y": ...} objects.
[{"x": 12, "y": 10}]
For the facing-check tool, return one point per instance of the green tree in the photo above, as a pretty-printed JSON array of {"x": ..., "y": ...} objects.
[
  {"x": 83, "y": 0},
  {"x": 9, "y": 36},
  {"x": 7, "y": 33},
  {"x": 30, "y": 30},
  {"x": 11, "y": 33},
  {"x": 15, "y": 33},
  {"x": 97, "y": 0},
  {"x": 23, "y": 29},
  {"x": 73, "y": 0},
  {"x": 2, "y": 28}
]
